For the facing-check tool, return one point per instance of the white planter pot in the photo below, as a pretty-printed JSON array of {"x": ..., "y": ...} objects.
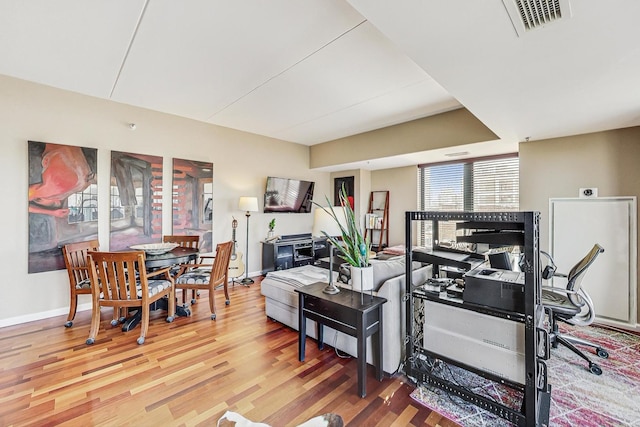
[{"x": 362, "y": 278}]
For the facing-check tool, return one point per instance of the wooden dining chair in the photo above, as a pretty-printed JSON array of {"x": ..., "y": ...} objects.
[
  {"x": 208, "y": 276},
  {"x": 120, "y": 280},
  {"x": 186, "y": 242},
  {"x": 75, "y": 260}
]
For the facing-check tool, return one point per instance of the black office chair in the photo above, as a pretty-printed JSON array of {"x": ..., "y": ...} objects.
[{"x": 571, "y": 305}]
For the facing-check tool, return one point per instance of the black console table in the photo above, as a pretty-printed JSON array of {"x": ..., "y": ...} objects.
[
  {"x": 353, "y": 313},
  {"x": 292, "y": 251}
]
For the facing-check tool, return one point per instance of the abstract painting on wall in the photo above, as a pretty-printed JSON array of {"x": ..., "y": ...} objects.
[
  {"x": 63, "y": 201},
  {"x": 135, "y": 200},
  {"x": 193, "y": 200}
]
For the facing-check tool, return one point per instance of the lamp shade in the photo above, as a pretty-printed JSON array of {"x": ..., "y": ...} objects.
[
  {"x": 249, "y": 204},
  {"x": 323, "y": 221}
]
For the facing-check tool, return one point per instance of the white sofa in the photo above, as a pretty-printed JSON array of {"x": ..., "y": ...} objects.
[{"x": 281, "y": 304}]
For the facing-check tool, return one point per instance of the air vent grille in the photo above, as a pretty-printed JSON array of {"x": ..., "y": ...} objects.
[
  {"x": 538, "y": 12},
  {"x": 527, "y": 15}
]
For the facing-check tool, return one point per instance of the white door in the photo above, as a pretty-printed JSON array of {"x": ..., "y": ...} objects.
[{"x": 576, "y": 225}]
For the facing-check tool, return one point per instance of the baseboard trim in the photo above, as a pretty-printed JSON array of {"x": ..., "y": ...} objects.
[{"x": 32, "y": 317}]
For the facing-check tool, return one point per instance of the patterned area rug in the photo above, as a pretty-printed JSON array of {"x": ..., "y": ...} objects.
[{"x": 578, "y": 397}]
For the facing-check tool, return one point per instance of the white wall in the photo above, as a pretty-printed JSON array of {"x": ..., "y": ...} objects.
[
  {"x": 559, "y": 167},
  {"x": 241, "y": 161},
  {"x": 402, "y": 184}
]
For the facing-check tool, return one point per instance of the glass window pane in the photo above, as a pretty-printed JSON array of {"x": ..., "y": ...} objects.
[{"x": 476, "y": 185}]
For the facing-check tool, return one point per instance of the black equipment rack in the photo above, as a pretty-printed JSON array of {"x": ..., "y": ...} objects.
[{"x": 500, "y": 228}]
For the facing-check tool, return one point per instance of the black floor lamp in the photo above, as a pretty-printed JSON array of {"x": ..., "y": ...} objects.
[{"x": 247, "y": 204}]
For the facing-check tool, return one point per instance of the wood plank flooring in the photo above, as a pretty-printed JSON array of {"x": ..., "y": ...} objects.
[{"x": 188, "y": 373}]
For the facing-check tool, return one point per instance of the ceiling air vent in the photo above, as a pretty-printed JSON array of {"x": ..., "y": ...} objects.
[{"x": 527, "y": 15}]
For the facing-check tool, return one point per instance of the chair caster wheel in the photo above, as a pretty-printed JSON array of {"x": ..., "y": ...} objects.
[
  {"x": 601, "y": 352},
  {"x": 170, "y": 319},
  {"x": 213, "y": 317},
  {"x": 595, "y": 369},
  {"x": 90, "y": 341},
  {"x": 227, "y": 302},
  {"x": 140, "y": 340},
  {"x": 115, "y": 322},
  {"x": 193, "y": 301},
  {"x": 68, "y": 324},
  {"x": 122, "y": 319}
]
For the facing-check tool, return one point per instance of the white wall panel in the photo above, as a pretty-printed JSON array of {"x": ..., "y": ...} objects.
[{"x": 576, "y": 225}]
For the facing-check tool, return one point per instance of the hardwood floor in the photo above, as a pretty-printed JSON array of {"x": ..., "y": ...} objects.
[{"x": 188, "y": 373}]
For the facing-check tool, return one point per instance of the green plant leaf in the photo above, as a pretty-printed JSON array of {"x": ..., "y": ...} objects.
[{"x": 353, "y": 248}]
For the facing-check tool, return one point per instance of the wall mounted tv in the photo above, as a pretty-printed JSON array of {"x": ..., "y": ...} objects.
[{"x": 288, "y": 195}]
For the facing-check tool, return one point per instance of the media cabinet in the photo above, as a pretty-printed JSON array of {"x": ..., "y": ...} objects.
[{"x": 291, "y": 251}]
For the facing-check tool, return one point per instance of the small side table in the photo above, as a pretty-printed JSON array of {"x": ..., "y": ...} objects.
[{"x": 355, "y": 314}]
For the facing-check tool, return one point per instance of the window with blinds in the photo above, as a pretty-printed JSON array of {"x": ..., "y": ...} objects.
[{"x": 473, "y": 185}]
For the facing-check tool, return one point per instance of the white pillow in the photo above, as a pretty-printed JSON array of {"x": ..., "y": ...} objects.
[{"x": 233, "y": 419}]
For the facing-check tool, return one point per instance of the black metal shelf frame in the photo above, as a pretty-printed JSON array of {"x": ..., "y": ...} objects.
[{"x": 536, "y": 390}]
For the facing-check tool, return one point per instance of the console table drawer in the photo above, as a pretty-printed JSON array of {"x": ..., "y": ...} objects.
[{"x": 330, "y": 311}]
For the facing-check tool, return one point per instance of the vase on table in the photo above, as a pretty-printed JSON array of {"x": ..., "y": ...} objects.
[{"x": 362, "y": 278}]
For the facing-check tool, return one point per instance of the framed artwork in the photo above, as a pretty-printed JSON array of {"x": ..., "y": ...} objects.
[
  {"x": 349, "y": 184},
  {"x": 135, "y": 200},
  {"x": 63, "y": 201},
  {"x": 192, "y": 206}
]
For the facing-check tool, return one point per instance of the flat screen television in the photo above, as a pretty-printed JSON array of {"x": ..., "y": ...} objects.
[{"x": 288, "y": 195}]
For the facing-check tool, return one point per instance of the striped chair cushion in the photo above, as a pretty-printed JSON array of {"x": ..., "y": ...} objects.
[
  {"x": 195, "y": 277},
  {"x": 155, "y": 286},
  {"x": 83, "y": 284}
]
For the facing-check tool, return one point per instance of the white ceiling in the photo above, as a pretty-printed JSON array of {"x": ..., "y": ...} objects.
[{"x": 316, "y": 70}]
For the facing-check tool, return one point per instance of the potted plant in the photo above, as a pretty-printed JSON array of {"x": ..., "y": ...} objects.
[
  {"x": 353, "y": 248},
  {"x": 272, "y": 226}
]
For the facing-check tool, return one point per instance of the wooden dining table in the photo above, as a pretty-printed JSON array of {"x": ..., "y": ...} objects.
[{"x": 174, "y": 257}]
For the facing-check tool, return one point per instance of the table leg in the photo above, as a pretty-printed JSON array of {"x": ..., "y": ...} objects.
[
  {"x": 162, "y": 304},
  {"x": 320, "y": 334},
  {"x": 132, "y": 321},
  {"x": 362, "y": 356},
  {"x": 302, "y": 328},
  {"x": 379, "y": 370}
]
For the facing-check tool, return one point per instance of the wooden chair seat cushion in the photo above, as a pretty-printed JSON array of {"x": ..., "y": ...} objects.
[
  {"x": 84, "y": 284},
  {"x": 195, "y": 277},
  {"x": 155, "y": 287}
]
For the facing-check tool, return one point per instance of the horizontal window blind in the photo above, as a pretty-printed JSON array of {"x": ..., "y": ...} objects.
[{"x": 475, "y": 185}]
